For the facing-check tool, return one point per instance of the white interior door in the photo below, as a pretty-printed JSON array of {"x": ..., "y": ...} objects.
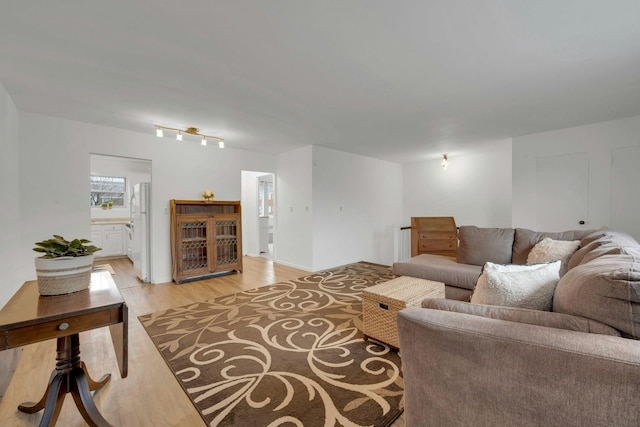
[
  {"x": 625, "y": 194},
  {"x": 562, "y": 192}
]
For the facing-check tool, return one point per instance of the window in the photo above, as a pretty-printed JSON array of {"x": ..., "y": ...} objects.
[{"x": 105, "y": 189}]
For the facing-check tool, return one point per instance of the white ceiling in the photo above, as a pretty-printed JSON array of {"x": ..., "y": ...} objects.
[{"x": 395, "y": 80}]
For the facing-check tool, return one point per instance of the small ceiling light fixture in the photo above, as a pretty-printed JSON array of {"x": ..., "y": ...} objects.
[
  {"x": 190, "y": 131},
  {"x": 445, "y": 162}
]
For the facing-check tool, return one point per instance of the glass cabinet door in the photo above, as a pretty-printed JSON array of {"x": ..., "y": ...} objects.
[
  {"x": 228, "y": 247},
  {"x": 193, "y": 245}
]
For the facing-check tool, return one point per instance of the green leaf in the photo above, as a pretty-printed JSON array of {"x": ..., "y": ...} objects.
[{"x": 58, "y": 246}]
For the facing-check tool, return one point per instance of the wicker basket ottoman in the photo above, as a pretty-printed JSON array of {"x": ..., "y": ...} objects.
[{"x": 381, "y": 303}]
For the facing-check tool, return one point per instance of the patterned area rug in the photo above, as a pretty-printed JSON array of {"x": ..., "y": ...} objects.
[{"x": 288, "y": 354}]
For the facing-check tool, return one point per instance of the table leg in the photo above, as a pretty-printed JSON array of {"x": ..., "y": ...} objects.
[
  {"x": 55, "y": 399},
  {"x": 82, "y": 396},
  {"x": 70, "y": 376},
  {"x": 93, "y": 384},
  {"x": 31, "y": 407}
]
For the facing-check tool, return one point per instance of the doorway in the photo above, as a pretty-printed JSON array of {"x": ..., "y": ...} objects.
[
  {"x": 112, "y": 182},
  {"x": 265, "y": 215},
  {"x": 258, "y": 214}
]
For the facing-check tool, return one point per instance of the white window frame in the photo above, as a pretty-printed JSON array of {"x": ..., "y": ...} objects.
[{"x": 125, "y": 198}]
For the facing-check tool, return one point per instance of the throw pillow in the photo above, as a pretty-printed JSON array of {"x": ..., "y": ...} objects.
[
  {"x": 549, "y": 250},
  {"x": 525, "y": 286}
]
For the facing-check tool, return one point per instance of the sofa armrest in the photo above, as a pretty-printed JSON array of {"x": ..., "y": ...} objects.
[{"x": 462, "y": 369}]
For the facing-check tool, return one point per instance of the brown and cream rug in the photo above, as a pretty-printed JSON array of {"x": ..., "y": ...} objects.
[{"x": 288, "y": 354}]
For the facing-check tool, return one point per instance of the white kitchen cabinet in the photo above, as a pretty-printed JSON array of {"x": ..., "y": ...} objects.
[
  {"x": 109, "y": 237},
  {"x": 112, "y": 240}
]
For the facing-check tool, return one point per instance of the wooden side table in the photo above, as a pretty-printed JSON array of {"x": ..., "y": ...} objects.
[{"x": 28, "y": 318}]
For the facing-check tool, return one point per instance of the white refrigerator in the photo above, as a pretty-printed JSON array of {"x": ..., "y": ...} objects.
[{"x": 140, "y": 225}]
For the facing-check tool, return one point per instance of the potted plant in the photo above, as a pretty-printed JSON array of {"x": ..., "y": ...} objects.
[{"x": 65, "y": 266}]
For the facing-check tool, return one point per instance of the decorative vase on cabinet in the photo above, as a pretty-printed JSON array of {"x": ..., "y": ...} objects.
[{"x": 206, "y": 238}]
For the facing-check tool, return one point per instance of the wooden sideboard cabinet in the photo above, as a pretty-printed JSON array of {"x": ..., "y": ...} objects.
[
  {"x": 206, "y": 238},
  {"x": 434, "y": 235}
]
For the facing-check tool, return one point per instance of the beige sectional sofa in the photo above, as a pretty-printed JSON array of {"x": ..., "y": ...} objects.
[
  {"x": 578, "y": 365},
  {"x": 476, "y": 247}
]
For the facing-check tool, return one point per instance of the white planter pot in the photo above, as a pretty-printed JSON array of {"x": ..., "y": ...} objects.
[{"x": 58, "y": 276}]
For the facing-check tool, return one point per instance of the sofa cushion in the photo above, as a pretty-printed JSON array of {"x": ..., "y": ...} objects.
[
  {"x": 578, "y": 256},
  {"x": 606, "y": 289},
  {"x": 592, "y": 237},
  {"x": 439, "y": 268},
  {"x": 526, "y": 239},
  {"x": 609, "y": 235},
  {"x": 603, "y": 242},
  {"x": 523, "y": 315},
  {"x": 526, "y": 286},
  {"x": 601, "y": 250},
  {"x": 549, "y": 250},
  {"x": 480, "y": 245}
]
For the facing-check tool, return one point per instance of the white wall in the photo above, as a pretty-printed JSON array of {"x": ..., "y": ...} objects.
[
  {"x": 597, "y": 140},
  {"x": 293, "y": 241},
  {"x": 475, "y": 189},
  {"x": 357, "y": 205},
  {"x": 9, "y": 194},
  {"x": 54, "y": 170}
]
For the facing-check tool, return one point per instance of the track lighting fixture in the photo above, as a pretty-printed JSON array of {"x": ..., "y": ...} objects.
[{"x": 190, "y": 131}]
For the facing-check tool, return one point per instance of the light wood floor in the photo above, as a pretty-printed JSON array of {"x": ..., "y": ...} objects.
[{"x": 150, "y": 395}]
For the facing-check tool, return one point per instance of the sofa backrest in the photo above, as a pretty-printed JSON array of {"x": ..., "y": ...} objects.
[
  {"x": 602, "y": 242},
  {"x": 526, "y": 239},
  {"x": 603, "y": 282},
  {"x": 478, "y": 246}
]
